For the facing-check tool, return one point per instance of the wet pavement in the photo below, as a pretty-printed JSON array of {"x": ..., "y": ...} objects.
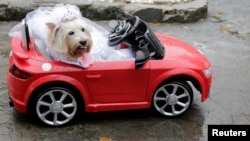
[{"x": 224, "y": 37}]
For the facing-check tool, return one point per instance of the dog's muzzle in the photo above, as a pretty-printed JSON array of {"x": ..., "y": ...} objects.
[{"x": 83, "y": 44}]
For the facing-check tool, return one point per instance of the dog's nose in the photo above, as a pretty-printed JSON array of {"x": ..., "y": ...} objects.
[{"x": 83, "y": 42}]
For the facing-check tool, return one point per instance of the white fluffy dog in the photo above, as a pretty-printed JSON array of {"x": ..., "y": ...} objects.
[{"x": 71, "y": 38}]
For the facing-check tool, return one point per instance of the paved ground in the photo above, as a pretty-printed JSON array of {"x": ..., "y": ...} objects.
[{"x": 224, "y": 37}]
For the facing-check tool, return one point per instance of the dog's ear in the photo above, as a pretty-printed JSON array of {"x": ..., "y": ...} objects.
[{"x": 51, "y": 26}]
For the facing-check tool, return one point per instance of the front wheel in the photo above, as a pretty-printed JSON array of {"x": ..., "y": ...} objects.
[
  {"x": 173, "y": 98},
  {"x": 55, "y": 106}
]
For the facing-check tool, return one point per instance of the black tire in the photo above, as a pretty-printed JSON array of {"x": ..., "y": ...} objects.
[
  {"x": 173, "y": 98},
  {"x": 55, "y": 106}
]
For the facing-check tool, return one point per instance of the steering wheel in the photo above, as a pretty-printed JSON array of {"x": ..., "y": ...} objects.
[{"x": 123, "y": 29}]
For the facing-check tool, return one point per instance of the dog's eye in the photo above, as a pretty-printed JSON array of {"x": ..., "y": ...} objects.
[
  {"x": 83, "y": 29},
  {"x": 71, "y": 33}
]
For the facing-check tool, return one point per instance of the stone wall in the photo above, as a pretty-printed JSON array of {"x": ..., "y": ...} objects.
[
  {"x": 181, "y": 11},
  {"x": 150, "y": 1}
]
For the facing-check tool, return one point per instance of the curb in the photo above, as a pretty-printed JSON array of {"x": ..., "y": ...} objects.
[{"x": 14, "y": 10}]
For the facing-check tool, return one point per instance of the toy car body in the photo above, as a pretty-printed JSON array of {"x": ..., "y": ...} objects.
[{"x": 55, "y": 92}]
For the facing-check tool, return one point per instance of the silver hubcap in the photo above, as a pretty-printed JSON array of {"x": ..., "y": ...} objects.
[
  {"x": 172, "y": 99},
  {"x": 56, "y": 107}
]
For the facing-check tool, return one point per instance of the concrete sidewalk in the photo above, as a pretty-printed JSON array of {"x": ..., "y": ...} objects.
[{"x": 15, "y": 10}]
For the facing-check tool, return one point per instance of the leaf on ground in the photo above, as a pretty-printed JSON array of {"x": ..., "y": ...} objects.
[
  {"x": 158, "y": 24},
  {"x": 224, "y": 30},
  {"x": 220, "y": 12},
  {"x": 104, "y": 139}
]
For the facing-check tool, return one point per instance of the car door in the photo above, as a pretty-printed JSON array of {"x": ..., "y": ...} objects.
[{"x": 117, "y": 81}]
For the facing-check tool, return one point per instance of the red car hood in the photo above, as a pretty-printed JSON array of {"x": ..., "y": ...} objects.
[{"x": 180, "y": 54}]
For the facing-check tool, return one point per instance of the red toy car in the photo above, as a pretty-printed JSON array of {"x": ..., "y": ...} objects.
[{"x": 162, "y": 75}]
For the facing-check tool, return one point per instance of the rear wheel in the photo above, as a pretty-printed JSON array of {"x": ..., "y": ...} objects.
[
  {"x": 55, "y": 106},
  {"x": 173, "y": 98}
]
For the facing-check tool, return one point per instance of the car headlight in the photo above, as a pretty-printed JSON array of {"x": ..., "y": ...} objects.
[{"x": 207, "y": 72}]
